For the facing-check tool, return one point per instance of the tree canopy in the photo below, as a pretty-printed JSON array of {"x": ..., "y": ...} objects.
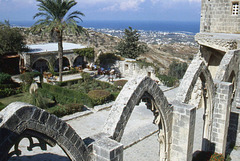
[
  {"x": 129, "y": 46},
  {"x": 11, "y": 39},
  {"x": 177, "y": 70},
  {"x": 55, "y": 17}
]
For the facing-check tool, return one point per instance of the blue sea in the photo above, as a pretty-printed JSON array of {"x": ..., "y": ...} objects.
[{"x": 163, "y": 26}]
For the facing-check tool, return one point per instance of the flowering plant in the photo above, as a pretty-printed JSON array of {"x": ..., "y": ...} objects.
[{"x": 217, "y": 157}]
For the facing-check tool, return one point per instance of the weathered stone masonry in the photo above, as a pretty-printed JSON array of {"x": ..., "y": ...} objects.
[
  {"x": 19, "y": 120},
  {"x": 213, "y": 75}
]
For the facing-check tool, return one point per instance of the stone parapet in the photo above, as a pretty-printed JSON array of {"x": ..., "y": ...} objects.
[{"x": 219, "y": 41}]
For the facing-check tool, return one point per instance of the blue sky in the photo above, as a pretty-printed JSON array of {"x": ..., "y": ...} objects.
[{"x": 157, "y": 10}]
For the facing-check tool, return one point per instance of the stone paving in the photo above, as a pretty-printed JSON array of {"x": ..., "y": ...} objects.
[
  {"x": 92, "y": 124},
  {"x": 140, "y": 138}
]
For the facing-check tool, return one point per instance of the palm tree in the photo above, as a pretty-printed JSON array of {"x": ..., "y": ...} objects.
[{"x": 55, "y": 19}]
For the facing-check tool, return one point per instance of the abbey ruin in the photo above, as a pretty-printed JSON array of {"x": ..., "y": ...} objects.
[{"x": 211, "y": 83}]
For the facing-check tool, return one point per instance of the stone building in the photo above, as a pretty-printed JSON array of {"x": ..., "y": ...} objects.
[
  {"x": 220, "y": 16},
  {"x": 219, "y": 42},
  {"x": 40, "y": 55}
]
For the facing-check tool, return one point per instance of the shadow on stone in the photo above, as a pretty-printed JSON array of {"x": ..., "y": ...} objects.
[
  {"x": 38, "y": 157},
  {"x": 232, "y": 132},
  {"x": 201, "y": 156}
]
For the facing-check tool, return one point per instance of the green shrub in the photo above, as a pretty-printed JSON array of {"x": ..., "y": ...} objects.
[
  {"x": 167, "y": 80},
  {"x": 68, "y": 109},
  {"x": 88, "y": 52},
  {"x": 100, "y": 96},
  {"x": 2, "y": 106},
  {"x": 5, "y": 78},
  {"x": 107, "y": 59},
  {"x": 7, "y": 86},
  {"x": 8, "y": 92},
  {"x": 177, "y": 70},
  {"x": 12, "y": 85},
  {"x": 27, "y": 79},
  {"x": 59, "y": 111},
  {"x": 74, "y": 107},
  {"x": 115, "y": 95},
  {"x": 65, "y": 96},
  {"x": 38, "y": 100},
  {"x": 120, "y": 83},
  {"x": 86, "y": 77},
  {"x": 71, "y": 82}
]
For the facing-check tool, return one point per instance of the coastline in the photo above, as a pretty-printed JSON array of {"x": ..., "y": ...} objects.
[{"x": 147, "y": 26}]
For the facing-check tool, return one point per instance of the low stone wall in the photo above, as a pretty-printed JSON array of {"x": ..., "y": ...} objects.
[{"x": 130, "y": 69}]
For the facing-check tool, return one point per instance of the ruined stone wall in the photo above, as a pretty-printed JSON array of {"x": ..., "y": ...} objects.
[
  {"x": 219, "y": 16},
  {"x": 130, "y": 69}
]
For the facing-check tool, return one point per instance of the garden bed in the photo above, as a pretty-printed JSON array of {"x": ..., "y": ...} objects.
[{"x": 68, "y": 97}]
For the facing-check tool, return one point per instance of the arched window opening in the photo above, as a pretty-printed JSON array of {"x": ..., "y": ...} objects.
[{"x": 40, "y": 65}]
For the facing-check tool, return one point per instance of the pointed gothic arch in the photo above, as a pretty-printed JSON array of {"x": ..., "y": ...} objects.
[
  {"x": 229, "y": 63},
  {"x": 197, "y": 69},
  {"x": 130, "y": 95}
]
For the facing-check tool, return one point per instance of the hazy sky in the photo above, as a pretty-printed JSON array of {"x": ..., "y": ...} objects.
[{"x": 172, "y": 10}]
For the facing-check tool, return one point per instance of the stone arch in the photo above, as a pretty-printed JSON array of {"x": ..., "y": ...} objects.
[
  {"x": 43, "y": 66},
  {"x": 66, "y": 62},
  {"x": 195, "y": 70},
  {"x": 79, "y": 60},
  {"x": 129, "y": 96},
  {"x": 229, "y": 63},
  {"x": 20, "y": 120},
  {"x": 198, "y": 69}
]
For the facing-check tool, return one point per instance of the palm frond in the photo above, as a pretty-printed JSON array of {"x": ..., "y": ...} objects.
[
  {"x": 74, "y": 15},
  {"x": 54, "y": 16}
]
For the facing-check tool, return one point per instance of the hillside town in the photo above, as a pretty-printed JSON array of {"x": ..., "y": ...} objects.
[{"x": 156, "y": 37}]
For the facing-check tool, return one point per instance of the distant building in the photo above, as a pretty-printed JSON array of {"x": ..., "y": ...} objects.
[{"x": 40, "y": 55}]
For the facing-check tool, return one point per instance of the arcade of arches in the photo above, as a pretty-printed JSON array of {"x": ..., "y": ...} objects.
[{"x": 41, "y": 61}]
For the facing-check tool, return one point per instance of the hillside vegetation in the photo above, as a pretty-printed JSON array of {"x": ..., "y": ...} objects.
[{"x": 160, "y": 55}]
